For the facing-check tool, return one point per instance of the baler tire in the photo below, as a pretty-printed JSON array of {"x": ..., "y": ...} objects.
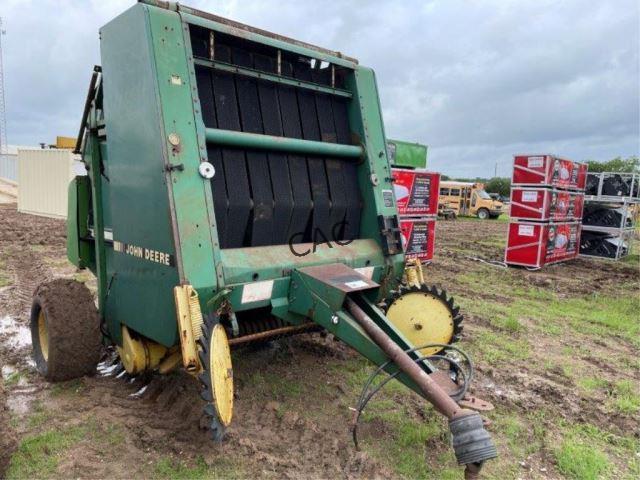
[{"x": 65, "y": 330}]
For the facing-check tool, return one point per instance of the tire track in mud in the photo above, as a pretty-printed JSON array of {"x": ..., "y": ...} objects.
[{"x": 166, "y": 420}]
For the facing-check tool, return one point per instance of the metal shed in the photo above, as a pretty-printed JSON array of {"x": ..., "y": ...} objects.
[{"x": 43, "y": 179}]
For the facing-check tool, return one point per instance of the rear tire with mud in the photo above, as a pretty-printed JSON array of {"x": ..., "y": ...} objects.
[{"x": 65, "y": 330}]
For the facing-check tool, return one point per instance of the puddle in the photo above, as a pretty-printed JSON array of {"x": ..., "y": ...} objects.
[
  {"x": 7, "y": 371},
  {"x": 19, "y": 401},
  {"x": 14, "y": 334}
]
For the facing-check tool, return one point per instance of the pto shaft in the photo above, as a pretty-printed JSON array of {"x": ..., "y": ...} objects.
[
  {"x": 432, "y": 391},
  {"x": 471, "y": 442}
]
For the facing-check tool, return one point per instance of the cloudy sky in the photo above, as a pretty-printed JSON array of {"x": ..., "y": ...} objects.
[{"x": 475, "y": 80}]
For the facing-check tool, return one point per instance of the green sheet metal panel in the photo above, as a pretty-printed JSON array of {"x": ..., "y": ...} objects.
[
  {"x": 147, "y": 63},
  {"x": 194, "y": 227},
  {"x": 405, "y": 154},
  {"x": 374, "y": 175},
  {"x": 140, "y": 290},
  {"x": 79, "y": 250}
]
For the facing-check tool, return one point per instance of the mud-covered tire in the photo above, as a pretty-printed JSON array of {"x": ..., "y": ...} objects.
[{"x": 71, "y": 330}]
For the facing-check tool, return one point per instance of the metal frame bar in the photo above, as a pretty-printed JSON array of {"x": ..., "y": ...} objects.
[
  {"x": 250, "y": 72},
  {"x": 235, "y": 29},
  {"x": 231, "y": 138}
]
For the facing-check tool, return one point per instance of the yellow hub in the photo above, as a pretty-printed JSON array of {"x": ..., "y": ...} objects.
[
  {"x": 43, "y": 335},
  {"x": 138, "y": 355},
  {"x": 422, "y": 318},
  {"x": 221, "y": 374}
]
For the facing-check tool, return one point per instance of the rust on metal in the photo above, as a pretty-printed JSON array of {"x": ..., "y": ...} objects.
[
  {"x": 432, "y": 391},
  {"x": 258, "y": 31},
  {"x": 276, "y": 332},
  {"x": 475, "y": 403},
  {"x": 444, "y": 381}
]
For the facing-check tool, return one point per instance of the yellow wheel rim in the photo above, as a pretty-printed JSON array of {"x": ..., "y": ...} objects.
[
  {"x": 422, "y": 318},
  {"x": 43, "y": 335},
  {"x": 221, "y": 374}
]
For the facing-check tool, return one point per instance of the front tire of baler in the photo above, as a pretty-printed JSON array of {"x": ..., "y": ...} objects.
[{"x": 65, "y": 330}]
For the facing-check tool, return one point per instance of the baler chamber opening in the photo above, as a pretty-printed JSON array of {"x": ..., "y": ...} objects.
[{"x": 264, "y": 195}]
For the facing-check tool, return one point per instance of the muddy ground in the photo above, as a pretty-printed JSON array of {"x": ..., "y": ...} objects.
[{"x": 294, "y": 397}]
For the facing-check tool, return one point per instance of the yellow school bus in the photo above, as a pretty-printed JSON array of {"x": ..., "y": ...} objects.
[{"x": 469, "y": 199}]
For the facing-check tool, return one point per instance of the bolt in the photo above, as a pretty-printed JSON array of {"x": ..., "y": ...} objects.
[
  {"x": 334, "y": 319},
  {"x": 174, "y": 139}
]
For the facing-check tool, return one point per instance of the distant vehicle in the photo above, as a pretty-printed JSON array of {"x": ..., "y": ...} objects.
[
  {"x": 498, "y": 197},
  {"x": 469, "y": 199}
]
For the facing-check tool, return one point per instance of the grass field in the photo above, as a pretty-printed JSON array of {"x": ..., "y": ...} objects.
[{"x": 556, "y": 352}]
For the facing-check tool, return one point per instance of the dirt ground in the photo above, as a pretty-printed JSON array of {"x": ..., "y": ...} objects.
[{"x": 294, "y": 397}]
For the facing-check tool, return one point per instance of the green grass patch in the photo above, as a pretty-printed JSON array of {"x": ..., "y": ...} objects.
[
  {"x": 597, "y": 315},
  {"x": 4, "y": 277},
  {"x": 495, "y": 347},
  {"x": 626, "y": 397},
  {"x": 39, "y": 415},
  {"x": 71, "y": 387},
  {"x": 588, "y": 453},
  {"x": 38, "y": 455},
  {"x": 405, "y": 447},
  {"x": 276, "y": 386},
  {"x": 581, "y": 461},
  {"x": 179, "y": 470},
  {"x": 13, "y": 378},
  {"x": 591, "y": 384}
]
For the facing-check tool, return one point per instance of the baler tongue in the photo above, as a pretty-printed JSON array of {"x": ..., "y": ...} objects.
[{"x": 341, "y": 299}]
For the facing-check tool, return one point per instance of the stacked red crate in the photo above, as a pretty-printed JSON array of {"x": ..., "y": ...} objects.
[
  {"x": 547, "y": 197},
  {"x": 416, "y": 193}
]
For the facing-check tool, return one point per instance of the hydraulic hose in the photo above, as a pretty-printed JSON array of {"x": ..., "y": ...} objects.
[{"x": 472, "y": 444}]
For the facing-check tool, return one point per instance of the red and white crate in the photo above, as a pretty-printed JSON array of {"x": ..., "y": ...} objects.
[
  {"x": 416, "y": 191},
  {"x": 543, "y": 204},
  {"x": 418, "y": 237},
  {"x": 534, "y": 245},
  {"x": 548, "y": 170}
]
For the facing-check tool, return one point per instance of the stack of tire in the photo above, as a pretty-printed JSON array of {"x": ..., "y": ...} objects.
[{"x": 607, "y": 218}]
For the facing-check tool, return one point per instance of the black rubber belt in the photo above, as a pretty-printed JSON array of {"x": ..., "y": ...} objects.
[
  {"x": 235, "y": 168},
  {"x": 260, "y": 230},
  {"x": 283, "y": 201},
  {"x": 321, "y": 220},
  {"x": 299, "y": 228}
]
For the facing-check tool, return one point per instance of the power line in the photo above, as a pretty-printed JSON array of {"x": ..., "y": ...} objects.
[{"x": 3, "y": 119}]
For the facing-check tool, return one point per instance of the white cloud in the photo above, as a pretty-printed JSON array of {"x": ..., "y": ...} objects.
[{"x": 476, "y": 81}]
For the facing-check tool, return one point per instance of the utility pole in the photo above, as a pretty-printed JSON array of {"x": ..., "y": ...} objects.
[
  {"x": 495, "y": 170},
  {"x": 3, "y": 120}
]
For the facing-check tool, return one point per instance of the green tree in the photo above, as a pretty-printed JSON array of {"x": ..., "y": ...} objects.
[
  {"x": 501, "y": 185},
  {"x": 618, "y": 164}
]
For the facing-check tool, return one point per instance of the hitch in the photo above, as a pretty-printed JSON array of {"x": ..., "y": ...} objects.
[
  {"x": 472, "y": 444},
  {"x": 342, "y": 301}
]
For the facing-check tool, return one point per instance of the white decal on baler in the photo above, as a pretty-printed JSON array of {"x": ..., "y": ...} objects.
[
  {"x": 149, "y": 254},
  {"x": 254, "y": 292}
]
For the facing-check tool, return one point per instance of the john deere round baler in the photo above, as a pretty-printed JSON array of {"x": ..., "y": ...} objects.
[{"x": 238, "y": 190}]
